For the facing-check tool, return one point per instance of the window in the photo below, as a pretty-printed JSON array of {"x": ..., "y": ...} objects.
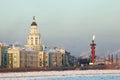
[
  {"x": 31, "y": 62},
  {"x": 15, "y": 56},
  {"x": 15, "y": 62},
  {"x": 36, "y": 40},
  {"x": 40, "y": 59},
  {"x": 31, "y": 41},
  {"x": 40, "y": 63},
  {"x": 31, "y": 57},
  {"x": 40, "y": 54}
]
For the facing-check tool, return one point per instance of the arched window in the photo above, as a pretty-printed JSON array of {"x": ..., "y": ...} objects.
[
  {"x": 31, "y": 40},
  {"x": 36, "y": 40}
]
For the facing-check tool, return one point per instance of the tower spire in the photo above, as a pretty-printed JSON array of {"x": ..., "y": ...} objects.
[
  {"x": 33, "y": 22},
  {"x": 33, "y": 17}
]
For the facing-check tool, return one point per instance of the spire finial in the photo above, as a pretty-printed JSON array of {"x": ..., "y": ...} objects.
[
  {"x": 33, "y": 22},
  {"x": 33, "y": 17}
]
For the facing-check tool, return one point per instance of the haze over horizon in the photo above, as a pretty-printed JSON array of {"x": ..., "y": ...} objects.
[{"x": 69, "y": 24}]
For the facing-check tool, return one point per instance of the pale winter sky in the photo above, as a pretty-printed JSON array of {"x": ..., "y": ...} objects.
[{"x": 68, "y": 24}]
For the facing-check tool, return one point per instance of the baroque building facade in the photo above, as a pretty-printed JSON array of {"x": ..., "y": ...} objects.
[
  {"x": 34, "y": 38},
  {"x": 34, "y": 54}
]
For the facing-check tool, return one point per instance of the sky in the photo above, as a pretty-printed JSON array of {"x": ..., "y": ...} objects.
[{"x": 69, "y": 24}]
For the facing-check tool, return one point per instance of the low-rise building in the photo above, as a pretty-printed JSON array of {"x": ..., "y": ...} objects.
[
  {"x": 31, "y": 58},
  {"x": 46, "y": 59},
  {"x": 13, "y": 57},
  {"x": 41, "y": 59},
  {"x": 65, "y": 57},
  {"x": 23, "y": 58},
  {"x": 4, "y": 55},
  {"x": 56, "y": 57}
]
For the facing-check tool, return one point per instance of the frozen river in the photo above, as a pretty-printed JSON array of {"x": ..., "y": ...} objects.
[
  {"x": 64, "y": 75},
  {"x": 94, "y": 77}
]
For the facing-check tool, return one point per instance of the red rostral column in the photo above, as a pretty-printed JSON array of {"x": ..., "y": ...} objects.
[{"x": 93, "y": 50}]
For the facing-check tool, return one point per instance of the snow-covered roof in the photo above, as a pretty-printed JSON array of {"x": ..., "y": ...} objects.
[
  {"x": 21, "y": 48},
  {"x": 53, "y": 49},
  {"x": 3, "y": 44}
]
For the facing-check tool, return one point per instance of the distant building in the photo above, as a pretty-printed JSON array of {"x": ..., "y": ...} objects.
[
  {"x": 65, "y": 57},
  {"x": 4, "y": 55},
  {"x": 56, "y": 57},
  {"x": 34, "y": 38},
  {"x": 83, "y": 61},
  {"x": 109, "y": 60},
  {"x": 73, "y": 61},
  {"x": 52, "y": 57},
  {"x": 23, "y": 58},
  {"x": 41, "y": 56},
  {"x": 46, "y": 59},
  {"x": 13, "y": 57},
  {"x": 100, "y": 60},
  {"x": 31, "y": 59}
]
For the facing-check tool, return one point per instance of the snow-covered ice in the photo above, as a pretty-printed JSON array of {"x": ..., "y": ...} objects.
[{"x": 51, "y": 74}]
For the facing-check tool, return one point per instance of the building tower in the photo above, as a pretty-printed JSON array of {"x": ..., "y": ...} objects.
[
  {"x": 92, "y": 57},
  {"x": 34, "y": 38}
]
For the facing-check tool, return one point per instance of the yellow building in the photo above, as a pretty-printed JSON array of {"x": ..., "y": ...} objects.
[
  {"x": 3, "y": 55},
  {"x": 46, "y": 61},
  {"x": 59, "y": 59},
  {"x": 13, "y": 58},
  {"x": 41, "y": 59}
]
